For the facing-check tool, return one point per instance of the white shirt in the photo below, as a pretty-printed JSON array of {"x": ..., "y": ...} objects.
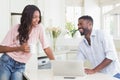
[{"x": 101, "y": 47}]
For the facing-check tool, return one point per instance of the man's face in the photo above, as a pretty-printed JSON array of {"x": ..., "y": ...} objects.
[{"x": 83, "y": 26}]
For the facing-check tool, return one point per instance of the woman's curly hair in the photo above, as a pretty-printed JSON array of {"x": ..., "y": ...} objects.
[{"x": 25, "y": 23}]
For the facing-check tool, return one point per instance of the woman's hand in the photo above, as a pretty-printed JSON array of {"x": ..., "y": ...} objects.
[{"x": 25, "y": 48}]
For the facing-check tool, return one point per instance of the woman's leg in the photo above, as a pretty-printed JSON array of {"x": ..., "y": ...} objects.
[
  {"x": 4, "y": 68},
  {"x": 10, "y": 69},
  {"x": 17, "y": 74},
  {"x": 4, "y": 74}
]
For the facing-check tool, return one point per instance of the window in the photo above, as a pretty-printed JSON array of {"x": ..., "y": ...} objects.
[
  {"x": 111, "y": 21},
  {"x": 72, "y": 15}
]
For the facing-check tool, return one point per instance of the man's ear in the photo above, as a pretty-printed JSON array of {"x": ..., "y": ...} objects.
[{"x": 90, "y": 23}]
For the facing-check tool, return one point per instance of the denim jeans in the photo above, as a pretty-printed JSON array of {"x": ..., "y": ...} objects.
[
  {"x": 10, "y": 69},
  {"x": 117, "y": 75}
]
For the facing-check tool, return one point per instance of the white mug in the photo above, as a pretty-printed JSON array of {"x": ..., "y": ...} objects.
[{"x": 32, "y": 48}]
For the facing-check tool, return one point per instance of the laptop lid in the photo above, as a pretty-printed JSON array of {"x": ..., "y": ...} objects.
[{"x": 67, "y": 68}]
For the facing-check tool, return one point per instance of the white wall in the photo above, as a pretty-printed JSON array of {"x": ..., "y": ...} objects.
[
  {"x": 4, "y": 18},
  {"x": 17, "y": 6},
  {"x": 91, "y": 7},
  {"x": 53, "y": 12}
]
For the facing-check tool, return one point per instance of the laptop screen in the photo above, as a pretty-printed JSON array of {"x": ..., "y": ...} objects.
[{"x": 67, "y": 68}]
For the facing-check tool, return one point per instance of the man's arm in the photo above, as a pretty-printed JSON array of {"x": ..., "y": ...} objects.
[
  {"x": 49, "y": 53},
  {"x": 102, "y": 65},
  {"x": 24, "y": 48}
]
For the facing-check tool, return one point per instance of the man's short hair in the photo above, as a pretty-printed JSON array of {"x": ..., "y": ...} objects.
[{"x": 86, "y": 17}]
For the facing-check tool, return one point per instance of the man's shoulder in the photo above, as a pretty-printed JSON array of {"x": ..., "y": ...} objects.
[
  {"x": 103, "y": 34},
  {"x": 100, "y": 32}
]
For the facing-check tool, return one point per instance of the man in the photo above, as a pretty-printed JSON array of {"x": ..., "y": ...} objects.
[{"x": 98, "y": 48}]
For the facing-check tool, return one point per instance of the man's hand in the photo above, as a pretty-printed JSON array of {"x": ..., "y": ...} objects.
[
  {"x": 101, "y": 66},
  {"x": 25, "y": 48}
]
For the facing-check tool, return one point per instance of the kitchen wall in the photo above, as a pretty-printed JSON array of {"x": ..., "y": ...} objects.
[
  {"x": 17, "y": 6},
  {"x": 4, "y": 18},
  {"x": 91, "y": 7},
  {"x": 53, "y": 12}
]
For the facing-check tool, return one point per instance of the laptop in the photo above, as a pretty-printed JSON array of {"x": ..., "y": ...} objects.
[{"x": 68, "y": 69}]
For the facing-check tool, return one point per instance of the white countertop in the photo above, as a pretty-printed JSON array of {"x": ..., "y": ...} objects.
[{"x": 46, "y": 74}]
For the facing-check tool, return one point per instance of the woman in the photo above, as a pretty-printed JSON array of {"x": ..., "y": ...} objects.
[{"x": 16, "y": 44}]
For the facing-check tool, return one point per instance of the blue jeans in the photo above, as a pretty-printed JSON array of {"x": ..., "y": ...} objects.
[
  {"x": 117, "y": 75},
  {"x": 11, "y": 69}
]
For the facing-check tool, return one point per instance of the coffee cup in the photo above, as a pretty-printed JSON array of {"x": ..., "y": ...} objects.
[{"x": 32, "y": 48}]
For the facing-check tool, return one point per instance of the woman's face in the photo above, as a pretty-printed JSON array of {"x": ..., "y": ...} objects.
[{"x": 36, "y": 18}]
